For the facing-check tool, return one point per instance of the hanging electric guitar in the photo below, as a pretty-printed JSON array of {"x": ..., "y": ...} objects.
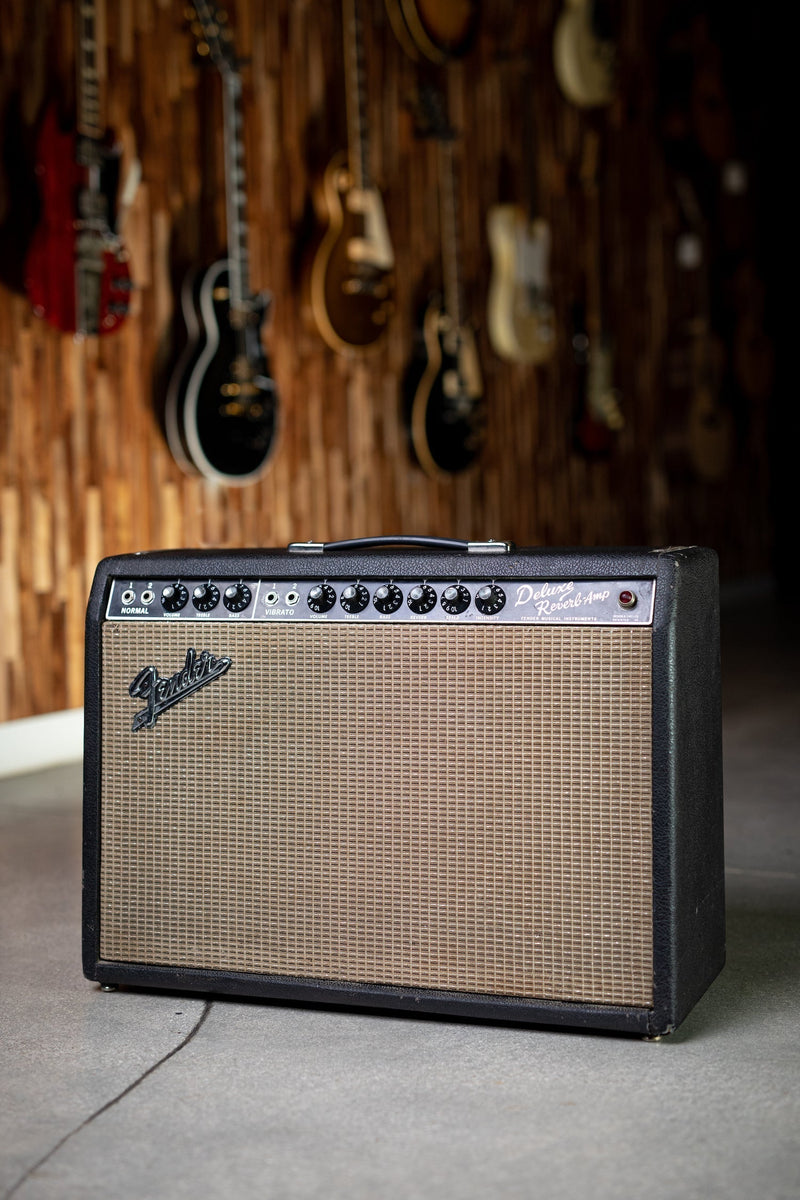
[
  {"x": 77, "y": 274},
  {"x": 222, "y": 406},
  {"x": 520, "y": 316},
  {"x": 698, "y": 431},
  {"x": 599, "y": 417},
  {"x": 445, "y": 389},
  {"x": 351, "y": 276}
]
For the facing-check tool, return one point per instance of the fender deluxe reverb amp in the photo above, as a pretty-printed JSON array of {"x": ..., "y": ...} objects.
[{"x": 409, "y": 773}]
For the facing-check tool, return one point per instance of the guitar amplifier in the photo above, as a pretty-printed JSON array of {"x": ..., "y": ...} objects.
[{"x": 409, "y": 773}]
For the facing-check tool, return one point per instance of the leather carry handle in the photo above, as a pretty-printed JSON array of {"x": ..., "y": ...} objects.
[{"x": 402, "y": 540}]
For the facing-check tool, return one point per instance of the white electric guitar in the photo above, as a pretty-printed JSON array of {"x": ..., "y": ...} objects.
[{"x": 520, "y": 316}]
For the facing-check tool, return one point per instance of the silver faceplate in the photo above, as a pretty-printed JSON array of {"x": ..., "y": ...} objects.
[{"x": 537, "y": 601}]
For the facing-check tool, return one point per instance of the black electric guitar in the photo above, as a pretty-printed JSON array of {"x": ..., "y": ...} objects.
[
  {"x": 351, "y": 277},
  {"x": 222, "y": 405},
  {"x": 445, "y": 387}
]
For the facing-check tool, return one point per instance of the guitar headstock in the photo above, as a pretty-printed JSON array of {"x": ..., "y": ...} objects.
[{"x": 209, "y": 25}]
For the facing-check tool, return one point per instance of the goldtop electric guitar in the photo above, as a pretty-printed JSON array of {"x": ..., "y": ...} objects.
[
  {"x": 352, "y": 274},
  {"x": 222, "y": 404},
  {"x": 77, "y": 273},
  {"x": 445, "y": 396}
]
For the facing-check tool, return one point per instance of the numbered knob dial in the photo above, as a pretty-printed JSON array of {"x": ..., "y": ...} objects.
[
  {"x": 174, "y": 597},
  {"x": 387, "y": 598},
  {"x": 455, "y": 599},
  {"x": 421, "y": 598},
  {"x": 205, "y": 597},
  {"x": 237, "y": 597},
  {"x": 490, "y": 599},
  {"x": 354, "y": 598},
  {"x": 321, "y": 598}
]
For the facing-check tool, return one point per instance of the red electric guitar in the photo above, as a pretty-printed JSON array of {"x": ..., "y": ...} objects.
[{"x": 76, "y": 272}]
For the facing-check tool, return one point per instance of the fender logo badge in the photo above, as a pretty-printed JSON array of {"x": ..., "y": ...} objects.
[{"x": 160, "y": 694}]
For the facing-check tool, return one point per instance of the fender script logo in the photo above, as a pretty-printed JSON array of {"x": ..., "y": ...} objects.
[{"x": 160, "y": 694}]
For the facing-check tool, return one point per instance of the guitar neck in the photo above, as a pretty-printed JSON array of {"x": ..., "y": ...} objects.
[
  {"x": 595, "y": 317},
  {"x": 448, "y": 217},
  {"x": 530, "y": 149},
  {"x": 355, "y": 85},
  {"x": 235, "y": 193},
  {"x": 90, "y": 124}
]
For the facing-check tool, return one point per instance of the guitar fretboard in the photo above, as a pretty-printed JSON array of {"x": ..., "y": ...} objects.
[
  {"x": 448, "y": 216},
  {"x": 235, "y": 192},
  {"x": 355, "y": 94},
  {"x": 90, "y": 124}
]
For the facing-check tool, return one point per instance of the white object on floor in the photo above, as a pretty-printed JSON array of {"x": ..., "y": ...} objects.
[{"x": 44, "y": 741}]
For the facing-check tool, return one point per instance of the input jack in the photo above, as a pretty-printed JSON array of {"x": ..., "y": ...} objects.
[
  {"x": 128, "y": 596},
  {"x": 271, "y": 598},
  {"x": 292, "y": 597}
]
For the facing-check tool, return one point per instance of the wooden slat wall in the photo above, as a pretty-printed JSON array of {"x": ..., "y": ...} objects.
[{"x": 84, "y": 468}]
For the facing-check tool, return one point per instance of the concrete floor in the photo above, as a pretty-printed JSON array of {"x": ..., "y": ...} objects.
[{"x": 132, "y": 1096}]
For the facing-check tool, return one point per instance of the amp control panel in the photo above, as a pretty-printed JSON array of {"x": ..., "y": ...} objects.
[{"x": 494, "y": 600}]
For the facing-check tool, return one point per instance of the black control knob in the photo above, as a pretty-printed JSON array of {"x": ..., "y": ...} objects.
[
  {"x": 174, "y": 597},
  {"x": 354, "y": 598},
  {"x": 490, "y": 599},
  {"x": 321, "y": 598},
  {"x": 387, "y": 598},
  {"x": 237, "y": 597},
  {"x": 455, "y": 599},
  {"x": 205, "y": 597},
  {"x": 421, "y": 598}
]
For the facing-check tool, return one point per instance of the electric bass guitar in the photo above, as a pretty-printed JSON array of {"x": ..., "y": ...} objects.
[
  {"x": 445, "y": 386},
  {"x": 221, "y": 411},
  {"x": 351, "y": 276},
  {"x": 77, "y": 273}
]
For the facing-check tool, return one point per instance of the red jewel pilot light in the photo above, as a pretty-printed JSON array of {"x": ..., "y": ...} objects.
[{"x": 627, "y": 599}]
